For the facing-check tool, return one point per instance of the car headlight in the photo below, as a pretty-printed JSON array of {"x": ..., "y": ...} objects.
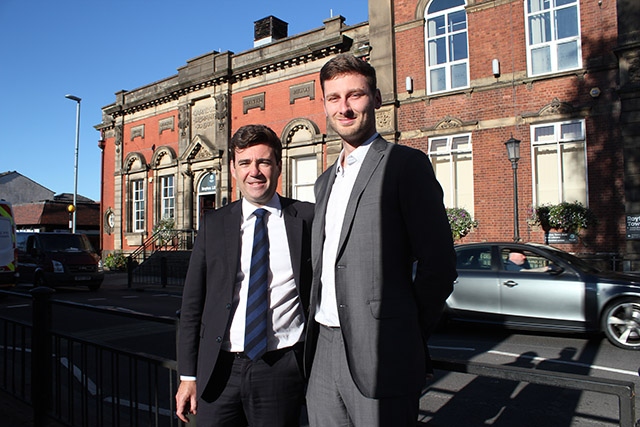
[
  {"x": 100, "y": 266},
  {"x": 57, "y": 267}
]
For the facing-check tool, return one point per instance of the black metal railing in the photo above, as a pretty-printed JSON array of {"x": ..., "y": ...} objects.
[
  {"x": 78, "y": 382},
  {"x": 158, "y": 261}
]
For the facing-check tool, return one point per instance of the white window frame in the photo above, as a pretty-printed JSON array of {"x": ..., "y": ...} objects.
[
  {"x": 551, "y": 9},
  {"x": 297, "y": 185},
  {"x": 447, "y": 35},
  {"x": 452, "y": 197},
  {"x": 167, "y": 196},
  {"x": 557, "y": 140},
  {"x": 137, "y": 205}
]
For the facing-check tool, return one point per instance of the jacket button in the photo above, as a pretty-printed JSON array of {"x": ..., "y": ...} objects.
[
  {"x": 228, "y": 306},
  {"x": 218, "y": 339}
]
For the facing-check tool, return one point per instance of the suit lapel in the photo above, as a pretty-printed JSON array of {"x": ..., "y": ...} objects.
[
  {"x": 232, "y": 222},
  {"x": 293, "y": 225},
  {"x": 369, "y": 165}
]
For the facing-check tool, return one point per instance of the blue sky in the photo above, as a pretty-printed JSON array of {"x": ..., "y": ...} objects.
[{"x": 92, "y": 49}]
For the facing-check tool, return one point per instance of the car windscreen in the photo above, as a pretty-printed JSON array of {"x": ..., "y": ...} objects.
[
  {"x": 576, "y": 262},
  {"x": 65, "y": 243}
]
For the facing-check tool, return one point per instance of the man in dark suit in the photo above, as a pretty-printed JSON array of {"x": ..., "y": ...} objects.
[
  {"x": 379, "y": 210},
  {"x": 246, "y": 297}
]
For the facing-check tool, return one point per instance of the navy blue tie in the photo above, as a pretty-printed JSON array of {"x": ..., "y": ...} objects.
[{"x": 255, "y": 331}]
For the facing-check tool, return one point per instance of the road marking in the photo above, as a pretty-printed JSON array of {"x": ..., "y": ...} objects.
[
  {"x": 18, "y": 306},
  {"x": 566, "y": 362},
  {"x": 543, "y": 359}
]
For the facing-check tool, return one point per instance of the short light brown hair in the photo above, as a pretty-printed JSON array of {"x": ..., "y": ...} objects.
[{"x": 346, "y": 63}]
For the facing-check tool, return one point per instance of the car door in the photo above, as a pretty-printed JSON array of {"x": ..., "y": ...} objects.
[
  {"x": 476, "y": 292},
  {"x": 542, "y": 295}
]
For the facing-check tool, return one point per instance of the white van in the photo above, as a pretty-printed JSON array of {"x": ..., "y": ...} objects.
[{"x": 8, "y": 252}]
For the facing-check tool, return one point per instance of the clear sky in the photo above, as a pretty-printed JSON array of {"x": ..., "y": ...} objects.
[{"x": 92, "y": 49}]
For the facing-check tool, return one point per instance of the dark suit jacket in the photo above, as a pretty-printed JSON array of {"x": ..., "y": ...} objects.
[
  {"x": 395, "y": 216},
  {"x": 205, "y": 315}
]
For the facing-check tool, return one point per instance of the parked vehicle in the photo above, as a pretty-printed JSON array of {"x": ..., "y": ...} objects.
[
  {"x": 58, "y": 259},
  {"x": 551, "y": 290},
  {"x": 8, "y": 252}
]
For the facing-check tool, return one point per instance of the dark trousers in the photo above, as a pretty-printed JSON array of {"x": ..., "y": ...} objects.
[{"x": 268, "y": 392}]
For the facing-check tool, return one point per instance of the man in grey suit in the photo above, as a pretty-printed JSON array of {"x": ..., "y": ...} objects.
[
  {"x": 379, "y": 212},
  {"x": 245, "y": 299}
]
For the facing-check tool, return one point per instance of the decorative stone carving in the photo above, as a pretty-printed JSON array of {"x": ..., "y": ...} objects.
[
  {"x": 222, "y": 110},
  {"x": 184, "y": 120},
  {"x": 449, "y": 123},
  {"x": 556, "y": 107}
]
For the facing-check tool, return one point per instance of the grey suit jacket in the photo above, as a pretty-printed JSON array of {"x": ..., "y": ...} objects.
[
  {"x": 207, "y": 297},
  {"x": 395, "y": 216}
]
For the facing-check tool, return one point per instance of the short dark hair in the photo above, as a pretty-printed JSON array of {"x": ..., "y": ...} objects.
[
  {"x": 346, "y": 63},
  {"x": 250, "y": 135}
]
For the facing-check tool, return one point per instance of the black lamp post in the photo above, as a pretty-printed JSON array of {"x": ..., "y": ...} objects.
[
  {"x": 75, "y": 179},
  {"x": 513, "y": 152}
]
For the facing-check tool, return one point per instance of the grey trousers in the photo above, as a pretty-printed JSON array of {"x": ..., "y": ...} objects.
[{"x": 333, "y": 399}]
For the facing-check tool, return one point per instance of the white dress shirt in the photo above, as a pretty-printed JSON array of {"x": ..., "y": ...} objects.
[
  {"x": 327, "y": 311},
  {"x": 285, "y": 316}
]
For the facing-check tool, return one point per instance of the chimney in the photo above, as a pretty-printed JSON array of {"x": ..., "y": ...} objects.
[{"x": 269, "y": 29}]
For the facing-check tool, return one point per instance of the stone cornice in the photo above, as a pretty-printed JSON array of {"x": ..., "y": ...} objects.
[{"x": 216, "y": 68}]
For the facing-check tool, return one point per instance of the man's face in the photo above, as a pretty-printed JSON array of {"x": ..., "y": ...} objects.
[
  {"x": 256, "y": 172},
  {"x": 518, "y": 258},
  {"x": 350, "y": 107}
]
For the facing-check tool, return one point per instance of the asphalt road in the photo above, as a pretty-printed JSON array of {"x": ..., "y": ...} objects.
[{"x": 451, "y": 399}]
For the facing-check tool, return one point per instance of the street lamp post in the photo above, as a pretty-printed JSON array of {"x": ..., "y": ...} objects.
[
  {"x": 75, "y": 179},
  {"x": 513, "y": 152}
]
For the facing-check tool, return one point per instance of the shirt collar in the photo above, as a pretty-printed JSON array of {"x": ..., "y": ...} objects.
[
  {"x": 273, "y": 206},
  {"x": 356, "y": 155}
]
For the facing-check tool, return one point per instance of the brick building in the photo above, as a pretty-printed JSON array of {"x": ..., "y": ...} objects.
[{"x": 458, "y": 79}]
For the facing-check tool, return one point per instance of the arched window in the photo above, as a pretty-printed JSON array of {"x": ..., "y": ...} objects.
[{"x": 447, "y": 46}]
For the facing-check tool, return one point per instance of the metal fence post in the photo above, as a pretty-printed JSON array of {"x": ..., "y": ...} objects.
[
  {"x": 163, "y": 271},
  {"x": 129, "y": 271},
  {"x": 41, "y": 354}
]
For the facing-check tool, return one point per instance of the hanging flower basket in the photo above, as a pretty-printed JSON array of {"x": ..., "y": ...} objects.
[
  {"x": 567, "y": 217},
  {"x": 461, "y": 222}
]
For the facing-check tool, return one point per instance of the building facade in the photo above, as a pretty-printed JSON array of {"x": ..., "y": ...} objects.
[{"x": 458, "y": 79}]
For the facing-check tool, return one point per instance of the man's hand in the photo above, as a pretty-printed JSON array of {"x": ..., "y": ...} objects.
[{"x": 186, "y": 400}]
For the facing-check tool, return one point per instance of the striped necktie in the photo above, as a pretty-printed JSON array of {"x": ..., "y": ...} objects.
[{"x": 255, "y": 332}]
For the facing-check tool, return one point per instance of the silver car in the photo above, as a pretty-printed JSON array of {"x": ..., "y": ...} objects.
[{"x": 539, "y": 287}]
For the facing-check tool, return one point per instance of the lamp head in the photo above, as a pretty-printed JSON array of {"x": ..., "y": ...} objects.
[
  {"x": 73, "y": 98},
  {"x": 513, "y": 149}
]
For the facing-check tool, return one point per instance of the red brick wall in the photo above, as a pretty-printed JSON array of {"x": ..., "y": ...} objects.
[{"x": 499, "y": 32}]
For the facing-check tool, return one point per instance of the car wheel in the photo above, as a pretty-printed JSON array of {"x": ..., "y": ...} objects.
[
  {"x": 95, "y": 286},
  {"x": 621, "y": 323}
]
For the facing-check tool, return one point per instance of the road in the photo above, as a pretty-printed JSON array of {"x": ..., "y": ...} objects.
[{"x": 451, "y": 399}]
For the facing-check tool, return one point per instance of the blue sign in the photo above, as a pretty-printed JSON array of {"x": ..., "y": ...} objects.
[{"x": 207, "y": 183}]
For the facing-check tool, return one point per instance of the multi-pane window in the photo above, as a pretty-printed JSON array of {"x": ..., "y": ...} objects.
[
  {"x": 167, "y": 198},
  {"x": 453, "y": 164},
  {"x": 137, "y": 205},
  {"x": 447, "y": 46},
  {"x": 304, "y": 174},
  {"x": 553, "y": 36},
  {"x": 559, "y": 156}
]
